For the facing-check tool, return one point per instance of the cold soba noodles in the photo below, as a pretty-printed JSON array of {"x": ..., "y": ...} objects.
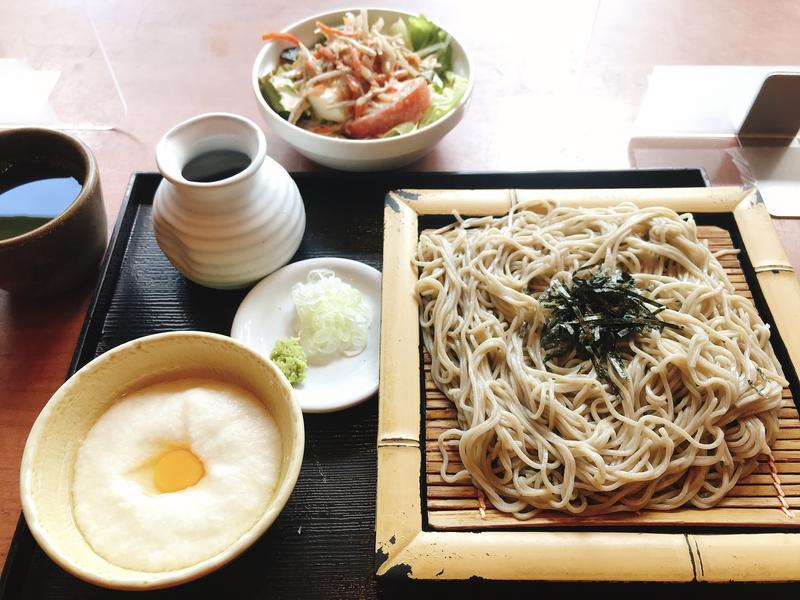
[{"x": 676, "y": 413}]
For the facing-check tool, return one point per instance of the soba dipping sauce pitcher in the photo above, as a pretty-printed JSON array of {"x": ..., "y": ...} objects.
[{"x": 225, "y": 214}]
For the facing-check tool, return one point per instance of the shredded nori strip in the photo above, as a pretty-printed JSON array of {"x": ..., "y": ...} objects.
[{"x": 593, "y": 315}]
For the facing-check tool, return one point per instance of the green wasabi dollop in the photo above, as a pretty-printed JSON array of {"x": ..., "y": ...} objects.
[{"x": 290, "y": 358}]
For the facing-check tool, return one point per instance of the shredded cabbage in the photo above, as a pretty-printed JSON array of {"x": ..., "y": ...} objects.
[
  {"x": 332, "y": 315},
  {"x": 399, "y": 27}
]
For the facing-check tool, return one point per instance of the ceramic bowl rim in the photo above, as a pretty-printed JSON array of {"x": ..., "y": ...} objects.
[
  {"x": 310, "y": 136},
  {"x": 161, "y": 579},
  {"x": 88, "y": 187},
  {"x": 180, "y": 180}
]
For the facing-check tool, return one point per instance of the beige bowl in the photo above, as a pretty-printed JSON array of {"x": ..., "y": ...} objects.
[{"x": 50, "y": 452}]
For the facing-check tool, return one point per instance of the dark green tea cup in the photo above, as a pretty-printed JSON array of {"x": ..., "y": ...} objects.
[{"x": 44, "y": 255}]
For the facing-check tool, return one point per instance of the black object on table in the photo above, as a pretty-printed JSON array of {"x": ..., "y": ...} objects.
[{"x": 322, "y": 544}]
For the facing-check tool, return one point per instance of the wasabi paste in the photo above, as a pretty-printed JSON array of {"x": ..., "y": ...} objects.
[{"x": 290, "y": 358}]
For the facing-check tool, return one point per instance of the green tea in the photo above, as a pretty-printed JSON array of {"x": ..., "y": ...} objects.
[{"x": 32, "y": 194}]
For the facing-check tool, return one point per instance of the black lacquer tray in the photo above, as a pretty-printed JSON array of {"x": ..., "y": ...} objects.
[{"x": 322, "y": 545}]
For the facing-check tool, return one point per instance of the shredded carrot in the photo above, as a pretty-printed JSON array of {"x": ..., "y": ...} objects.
[
  {"x": 325, "y": 129},
  {"x": 413, "y": 60},
  {"x": 355, "y": 88},
  {"x": 351, "y": 59},
  {"x": 268, "y": 37},
  {"x": 327, "y": 54},
  {"x": 331, "y": 32}
]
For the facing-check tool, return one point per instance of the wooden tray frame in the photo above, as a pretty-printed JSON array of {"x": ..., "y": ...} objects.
[{"x": 404, "y": 548}]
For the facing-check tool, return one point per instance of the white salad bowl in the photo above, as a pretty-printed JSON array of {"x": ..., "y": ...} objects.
[{"x": 357, "y": 155}]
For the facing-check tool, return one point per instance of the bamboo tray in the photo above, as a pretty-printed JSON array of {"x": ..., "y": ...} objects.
[{"x": 429, "y": 529}]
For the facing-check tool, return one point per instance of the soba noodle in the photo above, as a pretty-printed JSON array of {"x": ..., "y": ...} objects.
[{"x": 699, "y": 404}]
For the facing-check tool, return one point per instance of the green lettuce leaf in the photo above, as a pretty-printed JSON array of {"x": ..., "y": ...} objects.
[
  {"x": 279, "y": 91},
  {"x": 423, "y": 33},
  {"x": 445, "y": 96},
  {"x": 400, "y": 129},
  {"x": 445, "y": 58}
]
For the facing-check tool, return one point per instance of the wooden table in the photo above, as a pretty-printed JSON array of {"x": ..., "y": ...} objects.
[{"x": 558, "y": 87}]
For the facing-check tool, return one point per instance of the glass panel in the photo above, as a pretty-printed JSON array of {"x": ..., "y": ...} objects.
[{"x": 54, "y": 70}]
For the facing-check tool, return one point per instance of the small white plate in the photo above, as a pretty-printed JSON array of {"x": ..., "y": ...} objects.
[{"x": 267, "y": 313}]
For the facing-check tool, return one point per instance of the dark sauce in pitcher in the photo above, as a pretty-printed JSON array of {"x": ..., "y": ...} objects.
[
  {"x": 33, "y": 193},
  {"x": 215, "y": 165}
]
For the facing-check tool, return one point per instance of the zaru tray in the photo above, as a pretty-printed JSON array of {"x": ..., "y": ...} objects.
[
  {"x": 769, "y": 497},
  {"x": 323, "y": 543},
  {"x": 429, "y": 527}
]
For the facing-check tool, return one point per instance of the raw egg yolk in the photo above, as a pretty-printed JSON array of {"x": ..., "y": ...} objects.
[{"x": 176, "y": 470}]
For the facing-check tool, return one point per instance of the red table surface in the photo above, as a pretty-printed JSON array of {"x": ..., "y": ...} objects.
[{"x": 558, "y": 86}]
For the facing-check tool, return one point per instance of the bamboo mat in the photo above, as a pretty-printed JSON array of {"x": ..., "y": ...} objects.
[{"x": 769, "y": 497}]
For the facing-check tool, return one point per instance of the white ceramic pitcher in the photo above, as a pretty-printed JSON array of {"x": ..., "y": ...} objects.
[{"x": 232, "y": 232}]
